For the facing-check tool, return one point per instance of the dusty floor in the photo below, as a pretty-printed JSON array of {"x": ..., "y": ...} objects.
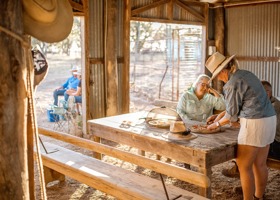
[{"x": 222, "y": 187}]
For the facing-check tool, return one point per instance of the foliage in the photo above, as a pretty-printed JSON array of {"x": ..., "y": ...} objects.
[
  {"x": 140, "y": 32},
  {"x": 64, "y": 46}
]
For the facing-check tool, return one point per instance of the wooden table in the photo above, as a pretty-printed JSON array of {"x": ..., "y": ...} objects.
[{"x": 202, "y": 152}]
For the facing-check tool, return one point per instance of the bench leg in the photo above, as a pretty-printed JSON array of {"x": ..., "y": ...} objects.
[{"x": 51, "y": 175}]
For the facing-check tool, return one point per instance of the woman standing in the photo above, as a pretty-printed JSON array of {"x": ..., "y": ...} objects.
[
  {"x": 198, "y": 102},
  {"x": 246, "y": 99}
]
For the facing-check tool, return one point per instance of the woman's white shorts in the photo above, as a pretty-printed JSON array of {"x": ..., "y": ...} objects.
[{"x": 257, "y": 132}]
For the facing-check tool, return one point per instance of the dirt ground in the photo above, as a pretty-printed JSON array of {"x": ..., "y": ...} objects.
[{"x": 222, "y": 187}]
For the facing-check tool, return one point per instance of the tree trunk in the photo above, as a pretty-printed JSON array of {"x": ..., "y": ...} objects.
[{"x": 13, "y": 104}]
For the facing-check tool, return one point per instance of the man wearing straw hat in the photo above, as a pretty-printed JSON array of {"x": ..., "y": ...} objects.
[
  {"x": 70, "y": 84},
  {"x": 246, "y": 99}
]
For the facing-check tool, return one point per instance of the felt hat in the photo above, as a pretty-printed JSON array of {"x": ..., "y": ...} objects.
[
  {"x": 44, "y": 11},
  {"x": 177, "y": 127},
  {"x": 44, "y": 28},
  {"x": 216, "y": 63}
]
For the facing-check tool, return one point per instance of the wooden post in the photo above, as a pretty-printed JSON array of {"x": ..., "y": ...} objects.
[
  {"x": 111, "y": 58},
  {"x": 126, "y": 54},
  {"x": 219, "y": 38},
  {"x": 13, "y": 104}
]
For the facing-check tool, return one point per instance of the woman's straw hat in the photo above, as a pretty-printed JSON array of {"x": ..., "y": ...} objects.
[
  {"x": 48, "y": 22},
  {"x": 217, "y": 62}
]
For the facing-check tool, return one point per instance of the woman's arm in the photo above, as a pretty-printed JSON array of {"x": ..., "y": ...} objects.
[{"x": 77, "y": 92}]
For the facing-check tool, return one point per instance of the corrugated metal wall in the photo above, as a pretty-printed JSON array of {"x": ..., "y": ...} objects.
[
  {"x": 96, "y": 51},
  {"x": 97, "y": 28},
  {"x": 253, "y": 32}
]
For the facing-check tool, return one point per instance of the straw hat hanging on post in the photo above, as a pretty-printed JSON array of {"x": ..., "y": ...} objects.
[{"x": 48, "y": 21}]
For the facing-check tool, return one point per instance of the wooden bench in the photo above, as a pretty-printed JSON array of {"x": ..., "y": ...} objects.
[
  {"x": 113, "y": 180},
  {"x": 272, "y": 163}
]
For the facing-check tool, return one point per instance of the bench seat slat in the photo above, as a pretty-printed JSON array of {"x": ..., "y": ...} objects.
[{"x": 110, "y": 179}]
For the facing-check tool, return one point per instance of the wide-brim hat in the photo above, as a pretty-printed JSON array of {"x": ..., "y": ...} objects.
[
  {"x": 177, "y": 127},
  {"x": 78, "y": 72},
  {"x": 41, "y": 10},
  {"x": 216, "y": 63},
  {"x": 74, "y": 69},
  {"x": 54, "y": 31}
]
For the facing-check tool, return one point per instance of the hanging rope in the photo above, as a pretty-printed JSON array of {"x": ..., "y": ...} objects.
[{"x": 31, "y": 110}]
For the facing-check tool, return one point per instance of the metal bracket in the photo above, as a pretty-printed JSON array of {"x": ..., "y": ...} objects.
[
  {"x": 55, "y": 150},
  {"x": 165, "y": 190}
]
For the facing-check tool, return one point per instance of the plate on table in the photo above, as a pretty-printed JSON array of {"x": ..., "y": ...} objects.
[{"x": 202, "y": 128}]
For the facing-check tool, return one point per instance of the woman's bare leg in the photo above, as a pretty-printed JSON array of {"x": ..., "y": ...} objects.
[
  {"x": 246, "y": 156},
  {"x": 260, "y": 171}
]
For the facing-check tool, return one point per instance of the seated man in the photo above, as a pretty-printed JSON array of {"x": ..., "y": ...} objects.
[
  {"x": 71, "y": 83},
  {"x": 274, "y": 150}
]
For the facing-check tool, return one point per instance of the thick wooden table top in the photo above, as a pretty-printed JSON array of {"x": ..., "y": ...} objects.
[{"x": 204, "y": 151}]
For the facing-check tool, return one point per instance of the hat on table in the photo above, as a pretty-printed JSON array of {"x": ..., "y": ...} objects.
[
  {"x": 216, "y": 63},
  {"x": 177, "y": 127},
  {"x": 48, "y": 21}
]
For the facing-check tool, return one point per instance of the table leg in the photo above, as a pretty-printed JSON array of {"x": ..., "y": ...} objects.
[{"x": 206, "y": 192}]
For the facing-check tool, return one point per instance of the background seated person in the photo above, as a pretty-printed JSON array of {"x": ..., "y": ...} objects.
[
  {"x": 274, "y": 150},
  {"x": 198, "y": 102},
  {"x": 77, "y": 94},
  {"x": 71, "y": 83}
]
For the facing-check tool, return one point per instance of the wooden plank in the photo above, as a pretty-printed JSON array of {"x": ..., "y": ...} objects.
[
  {"x": 121, "y": 183},
  {"x": 273, "y": 163},
  {"x": 257, "y": 58},
  {"x": 155, "y": 165},
  {"x": 248, "y": 2},
  {"x": 170, "y": 10},
  {"x": 158, "y": 20}
]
